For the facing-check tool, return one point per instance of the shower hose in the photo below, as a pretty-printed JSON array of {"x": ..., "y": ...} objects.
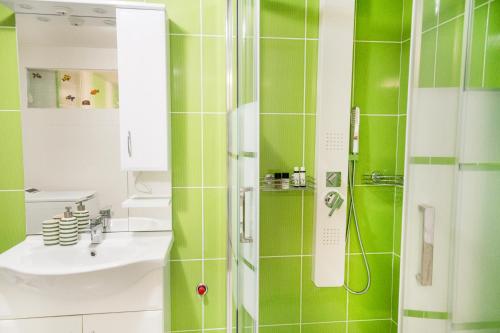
[{"x": 353, "y": 214}]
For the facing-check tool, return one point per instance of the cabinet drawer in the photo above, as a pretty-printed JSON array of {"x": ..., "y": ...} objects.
[
  {"x": 127, "y": 322},
  {"x": 71, "y": 324}
]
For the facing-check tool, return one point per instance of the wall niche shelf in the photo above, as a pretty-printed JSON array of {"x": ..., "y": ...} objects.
[{"x": 274, "y": 185}]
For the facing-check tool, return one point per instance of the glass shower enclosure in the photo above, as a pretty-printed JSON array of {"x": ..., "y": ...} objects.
[
  {"x": 242, "y": 69},
  {"x": 450, "y": 262}
]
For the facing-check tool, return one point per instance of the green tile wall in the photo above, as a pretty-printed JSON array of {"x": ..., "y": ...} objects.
[
  {"x": 198, "y": 90},
  {"x": 440, "y": 63},
  {"x": 484, "y": 63},
  {"x": 12, "y": 227},
  {"x": 289, "y": 301}
]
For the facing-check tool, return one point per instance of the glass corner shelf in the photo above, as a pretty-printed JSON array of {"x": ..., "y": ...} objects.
[{"x": 275, "y": 185}]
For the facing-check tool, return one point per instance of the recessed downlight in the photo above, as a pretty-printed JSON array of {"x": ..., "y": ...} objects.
[
  {"x": 98, "y": 10},
  {"x": 76, "y": 21},
  {"x": 43, "y": 18},
  {"x": 109, "y": 22}
]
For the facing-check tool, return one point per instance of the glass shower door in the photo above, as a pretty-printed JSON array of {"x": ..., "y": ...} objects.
[
  {"x": 243, "y": 130},
  {"x": 451, "y": 243}
]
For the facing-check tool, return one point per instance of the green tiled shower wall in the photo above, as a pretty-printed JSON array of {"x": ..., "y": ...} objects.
[
  {"x": 441, "y": 56},
  {"x": 289, "y": 301}
]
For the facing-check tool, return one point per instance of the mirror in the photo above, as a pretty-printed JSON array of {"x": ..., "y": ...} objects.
[{"x": 71, "y": 120}]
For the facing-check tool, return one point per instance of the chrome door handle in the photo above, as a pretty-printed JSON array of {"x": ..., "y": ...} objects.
[
  {"x": 426, "y": 265},
  {"x": 129, "y": 144},
  {"x": 243, "y": 233}
]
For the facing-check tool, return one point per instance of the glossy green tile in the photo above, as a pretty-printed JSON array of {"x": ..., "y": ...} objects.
[
  {"x": 376, "y": 303},
  {"x": 186, "y": 304},
  {"x": 375, "y": 211},
  {"x": 449, "y": 54},
  {"x": 279, "y": 301},
  {"x": 398, "y": 222},
  {"x": 186, "y": 149},
  {"x": 479, "y": 2},
  {"x": 214, "y": 74},
  {"x": 407, "y": 16},
  {"x": 185, "y": 74},
  {"x": 280, "y": 142},
  {"x": 477, "y": 48},
  {"x": 450, "y": 9},
  {"x": 320, "y": 304},
  {"x": 492, "y": 67},
  {"x": 9, "y": 83},
  {"x": 377, "y": 146},
  {"x": 12, "y": 219},
  {"x": 324, "y": 328},
  {"x": 312, "y": 19},
  {"x": 310, "y": 145},
  {"x": 430, "y": 14},
  {"x": 395, "y": 290},
  {"x": 214, "y": 17},
  {"x": 7, "y": 17},
  {"x": 11, "y": 151},
  {"x": 311, "y": 75},
  {"x": 186, "y": 216},
  {"x": 376, "y": 78},
  {"x": 282, "y": 18},
  {"x": 427, "y": 59},
  {"x": 400, "y": 166},
  {"x": 379, "y": 20},
  {"x": 183, "y": 16},
  {"x": 309, "y": 211},
  {"x": 375, "y": 326},
  {"x": 394, "y": 328},
  {"x": 403, "y": 81},
  {"x": 214, "y": 150},
  {"x": 215, "y": 299},
  {"x": 282, "y": 76},
  {"x": 279, "y": 329},
  {"x": 280, "y": 223},
  {"x": 215, "y": 214}
]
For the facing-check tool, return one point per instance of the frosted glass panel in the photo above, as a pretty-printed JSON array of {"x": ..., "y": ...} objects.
[{"x": 86, "y": 89}]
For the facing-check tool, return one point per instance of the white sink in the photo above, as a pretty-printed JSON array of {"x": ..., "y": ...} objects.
[{"x": 73, "y": 272}]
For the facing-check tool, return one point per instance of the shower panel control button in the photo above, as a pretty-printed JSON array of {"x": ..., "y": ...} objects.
[
  {"x": 202, "y": 289},
  {"x": 333, "y": 179}
]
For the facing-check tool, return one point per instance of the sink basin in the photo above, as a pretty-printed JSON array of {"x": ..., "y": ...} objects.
[{"x": 85, "y": 270}]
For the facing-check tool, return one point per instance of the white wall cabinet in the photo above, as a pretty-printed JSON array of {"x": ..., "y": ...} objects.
[
  {"x": 132, "y": 322},
  {"x": 70, "y": 324},
  {"x": 143, "y": 90}
]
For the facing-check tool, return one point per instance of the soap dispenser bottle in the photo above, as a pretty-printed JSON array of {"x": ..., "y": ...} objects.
[
  {"x": 83, "y": 217},
  {"x": 68, "y": 229}
]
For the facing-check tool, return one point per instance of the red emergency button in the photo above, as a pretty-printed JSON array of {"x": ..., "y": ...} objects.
[{"x": 202, "y": 289}]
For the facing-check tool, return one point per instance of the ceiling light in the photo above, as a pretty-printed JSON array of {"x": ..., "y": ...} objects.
[
  {"x": 63, "y": 11},
  {"x": 75, "y": 21}
]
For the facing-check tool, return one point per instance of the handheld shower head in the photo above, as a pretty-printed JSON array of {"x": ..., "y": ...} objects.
[{"x": 355, "y": 120}]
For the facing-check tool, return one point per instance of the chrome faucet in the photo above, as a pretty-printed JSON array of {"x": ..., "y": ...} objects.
[{"x": 99, "y": 225}]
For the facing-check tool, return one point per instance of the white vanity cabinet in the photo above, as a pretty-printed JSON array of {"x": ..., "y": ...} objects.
[
  {"x": 143, "y": 90},
  {"x": 131, "y": 322},
  {"x": 68, "y": 324}
]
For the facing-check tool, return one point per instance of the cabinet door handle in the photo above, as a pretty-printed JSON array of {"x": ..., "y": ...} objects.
[
  {"x": 129, "y": 144},
  {"x": 243, "y": 234},
  {"x": 429, "y": 215}
]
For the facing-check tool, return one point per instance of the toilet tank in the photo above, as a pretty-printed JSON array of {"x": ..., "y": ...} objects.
[{"x": 43, "y": 205}]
